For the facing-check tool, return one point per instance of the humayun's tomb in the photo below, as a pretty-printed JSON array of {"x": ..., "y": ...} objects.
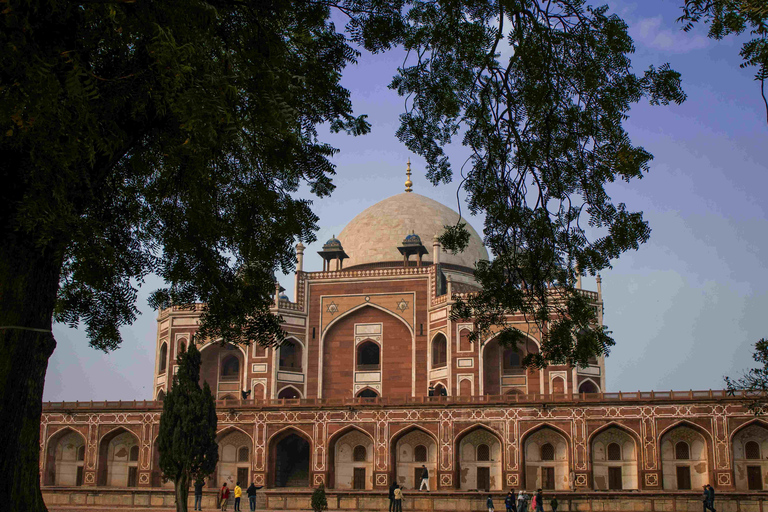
[{"x": 346, "y": 401}]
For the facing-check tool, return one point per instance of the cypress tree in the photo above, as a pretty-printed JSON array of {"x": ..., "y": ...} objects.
[{"x": 187, "y": 438}]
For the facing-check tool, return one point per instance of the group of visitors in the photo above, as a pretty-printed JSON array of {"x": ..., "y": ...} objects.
[
  {"x": 709, "y": 498},
  {"x": 395, "y": 498},
  {"x": 224, "y": 494},
  {"x": 522, "y": 502}
]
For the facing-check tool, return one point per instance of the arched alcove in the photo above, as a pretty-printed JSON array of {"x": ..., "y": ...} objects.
[
  {"x": 65, "y": 458},
  {"x": 750, "y": 457},
  {"x": 684, "y": 458},
  {"x": 235, "y": 447},
  {"x": 439, "y": 351},
  {"x": 546, "y": 460},
  {"x": 118, "y": 462},
  {"x": 479, "y": 460},
  {"x": 368, "y": 356},
  {"x": 290, "y": 356},
  {"x": 501, "y": 370},
  {"x": 614, "y": 460},
  {"x": 412, "y": 449},
  {"x": 353, "y": 453},
  {"x": 289, "y": 453}
]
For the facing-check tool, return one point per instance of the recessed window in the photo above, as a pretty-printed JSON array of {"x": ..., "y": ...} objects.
[
  {"x": 614, "y": 451},
  {"x": 439, "y": 352},
  {"x": 483, "y": 453},
  {"x": 163, "y": 358},
  {"x": 133, "y": 455},
  {"x": 242, "y": 454},
  {"x": 230, "y": 368},
  {"x": 420, "y": 453},
  {"x": 547, "y": 452},
  {"x": 682, "y": 451},
  {"x": 368, "y": 356},
  {"x": 752, "y": 450},
  {"x": 359, "y": 454},
  {"x": 290, "y": 356},
  {"x": 81, "y": 453}
]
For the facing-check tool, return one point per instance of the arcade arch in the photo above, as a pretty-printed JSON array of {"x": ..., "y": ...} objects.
[
  {"x": 479, "y": 454},
  {"x": 289, "y": 392},
  {"x": 500, "y": 368},
  {"x": 235, "y": 448},
  {"x": 588, "y": 386},
  {"x": 222, "y": 367},
  {"x": 291, "y": 355},
  {"x": 439, "y": 351},
  {"x": 414, "y": 448},
  {"x": 614, "y": 460},
  {"x": 750, "y": 457},
  {"x": 546, "y": 460},
  {"x": 684, "y": 458},
  {"x": 289, "y": 452},
  {"x": 352, "y": 454},
  {"x": 65, "y": 458},
  {"x": 118, "y": 459}
]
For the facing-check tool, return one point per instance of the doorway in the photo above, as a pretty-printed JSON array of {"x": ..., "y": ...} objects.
[
  {"x": 292, "y": 462},
  {"x": 614, "y": 479},
  {"x": 358, "y": 478},
  {"x": 242, "y": 476},
  {"x": 754, "y": 478},
  {"x": 548, "y": 478},
  {"x": 483, "y": 479},
  {"x": 683, "y": 478}
]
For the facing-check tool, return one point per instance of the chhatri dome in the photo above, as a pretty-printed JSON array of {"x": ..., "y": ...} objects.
[{"x": 375, "y": 234}]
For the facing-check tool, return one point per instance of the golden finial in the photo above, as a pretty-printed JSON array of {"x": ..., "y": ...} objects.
[{"x": 408, "y": 182}]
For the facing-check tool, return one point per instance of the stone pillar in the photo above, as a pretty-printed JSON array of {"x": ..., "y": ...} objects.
[
  {"x": 299, "y": 270},
  {"x": 435, "y": 250}
]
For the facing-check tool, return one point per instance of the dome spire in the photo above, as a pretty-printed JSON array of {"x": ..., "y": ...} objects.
[{"x": 408, "y": 182}]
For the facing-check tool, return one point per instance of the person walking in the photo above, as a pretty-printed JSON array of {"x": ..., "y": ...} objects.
[
  {"x": 509, "y": 501},
  {"x": 223, "y": 496},
  {"x": 251, "y": 492},
  {"x": 199, "y": 484},
  {"x": 238, "y": 495},
  {"x": 533, "y": 503},
  {"x": 521, "y": 502},
  {"x": 489, "y": 503},
  {"x": 553, "y": 504},
  {"x": 539, "y": 501},
  {"x": 398, "y": 499},
  {"x": 424, "y": 478},
  {"x": 392, "y": 488},
  {"x": 708, "y": 498}
]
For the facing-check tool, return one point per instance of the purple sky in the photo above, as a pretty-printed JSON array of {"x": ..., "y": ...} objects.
[{"x": 684, "y": 310}]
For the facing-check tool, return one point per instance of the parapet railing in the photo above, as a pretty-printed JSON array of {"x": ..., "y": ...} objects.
[{"x": 498, "y": 400}]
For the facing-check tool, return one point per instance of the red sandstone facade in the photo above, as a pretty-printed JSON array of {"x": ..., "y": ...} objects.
[{"x": 346, "y": 402}]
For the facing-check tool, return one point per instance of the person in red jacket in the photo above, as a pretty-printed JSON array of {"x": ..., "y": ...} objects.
[{"x": 224, "y": 496}]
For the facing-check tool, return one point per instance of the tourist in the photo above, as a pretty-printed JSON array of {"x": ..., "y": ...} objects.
[
  {"x": 431, "y": 390},
  {"x": 539, "y": 501},
  {"x": 251, "y": 492},
  {"x": 398, "y": 499},
  {"x": 489, "y": 503},
  {"x": 533, "y": 503},
  {"x": 521, "y": 502},
  {"x": 509, "y": 501},
  {"x": 708, "y": 498},
  {"x": 424, "y": 478},
  {"x": 392, "y": 488},
  {"x": 553, "y": 504},
  {"x": 199, "y": 494},
  {"x": 238, "y": 495},
  {"x": 223, "y": 496}
]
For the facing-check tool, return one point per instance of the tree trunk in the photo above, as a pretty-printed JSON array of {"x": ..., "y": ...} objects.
[
  {"x": 182, "y": 493},
  {"x": 29, "y": 280}
]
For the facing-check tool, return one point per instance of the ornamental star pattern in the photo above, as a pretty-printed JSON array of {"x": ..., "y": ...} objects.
[
  {"x": 402, "y": 305},
  {"x": 332, "y": 308}
]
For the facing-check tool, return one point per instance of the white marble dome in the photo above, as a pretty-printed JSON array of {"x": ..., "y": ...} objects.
[{"x": 374, "y": 235}]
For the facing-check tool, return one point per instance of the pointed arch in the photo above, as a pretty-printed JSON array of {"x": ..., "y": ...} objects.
[
  {"x": 51, "y": 445},
  {"x": 600, "y": 473},
  {"x": 225, "y": 431},
  {"x": 589, "y": 379},
  {"x": 300, "y": 357},
  {"x": 669, "y": 481},
  {"x": 359, "y": 393},
  {"x": 405, "y": 478},
  {"x": 295, "y": 440},
  {"x": 556, "y": 471},
  {"x": 481, "y": 357},
  {"x": 754, "y": 421},
  {"x": 331, "y": 444},
  {"x": 359, "y": 307},
  {"x": 102, "y": 466},
  {"x": 294, "y": 388},
  {"x": 466, "y": 469}
]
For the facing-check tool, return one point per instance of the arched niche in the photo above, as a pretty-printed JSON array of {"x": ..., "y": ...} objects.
[
  {"x": 118, "y": 459},
  {"x": 614, "y": 460},
  {"x": 479, "y": 460},
  {"x": 412, "y": 449},
  {"x": 289, "y": 392},
  {"x": 368, "y": 356},
  {"x": 352, "y": 453},
  {"x": 546, "y": 461},
  {"x": 289, "y": 454},
  {"x": 588, "y": 386},
  {"x": 684, "y": 458},
  {"x": 162, "y": 364},
  {"x": 367, "y": 393},
  {"x": 439, "y": 352},
  {"x": 464, "y": 344},
  {"x": 235, "y": 451},
  {"x": 500, "y": 368},
  {"x": 223, "y": 368},
  {"x": 291, "y": 356},
  {"x": 339, "y": 352},
  {"x": 65, "y": 458},
  {"x": 465, "y": 387},
  {"x": 750, "y": 457}
]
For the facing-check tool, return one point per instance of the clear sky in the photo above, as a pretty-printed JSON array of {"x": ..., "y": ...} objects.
[{"x": 684, "y": 310}]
